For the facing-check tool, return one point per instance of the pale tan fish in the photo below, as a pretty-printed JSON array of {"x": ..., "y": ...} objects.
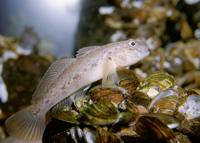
[{"x": 66, "y": 76}]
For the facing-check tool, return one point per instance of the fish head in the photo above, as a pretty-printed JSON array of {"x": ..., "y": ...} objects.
[{"x": 131, "y": 51}]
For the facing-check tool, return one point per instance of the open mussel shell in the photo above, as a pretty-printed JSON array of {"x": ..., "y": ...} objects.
[
  {"x": 128, "y": 80},
  {"x": 166, "y": 101},
  {"x": 156, "y": 82},
  {"x": 152, "y": 129}
]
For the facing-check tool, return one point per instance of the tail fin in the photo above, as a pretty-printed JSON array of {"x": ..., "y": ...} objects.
[
  {"x": 11, "y": 140},
  {"x": 14, "y": 140},
  {"x": 26, "y": 125}
]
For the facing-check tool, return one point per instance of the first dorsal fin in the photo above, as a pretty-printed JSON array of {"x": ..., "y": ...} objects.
[
  {"x": 86, "y": 50},
  {"x": 50, "y": 76}
]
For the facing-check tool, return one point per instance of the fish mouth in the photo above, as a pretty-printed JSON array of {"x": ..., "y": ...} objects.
[{"x": 146, "y": 53}]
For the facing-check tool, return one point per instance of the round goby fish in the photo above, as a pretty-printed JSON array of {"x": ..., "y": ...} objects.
[{"x": 66, "y": 76}]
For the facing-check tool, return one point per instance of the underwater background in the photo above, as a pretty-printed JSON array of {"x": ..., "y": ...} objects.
[{"x": 34, "y": 33}]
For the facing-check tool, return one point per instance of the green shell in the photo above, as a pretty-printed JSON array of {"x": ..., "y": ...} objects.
[
  {"x": 156, "y": 82},
  {"x": 99, "y": 113},
  {"x": 167, "y": 101}
]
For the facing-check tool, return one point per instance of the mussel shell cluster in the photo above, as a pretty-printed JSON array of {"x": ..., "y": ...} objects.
[{"x": 99, "y": 114}]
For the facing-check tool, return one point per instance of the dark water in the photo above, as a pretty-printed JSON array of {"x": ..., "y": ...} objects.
[{"x": 55, "y": 21}]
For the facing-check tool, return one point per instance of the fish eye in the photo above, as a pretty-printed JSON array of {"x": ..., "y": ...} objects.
[{"x": 132, "y": 43}]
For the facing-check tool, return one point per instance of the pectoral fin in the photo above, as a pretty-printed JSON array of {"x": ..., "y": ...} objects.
[{"x": 109, "y": 77}]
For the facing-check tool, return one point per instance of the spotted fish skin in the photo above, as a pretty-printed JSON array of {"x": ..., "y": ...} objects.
[{"x": 66, "y": 76}]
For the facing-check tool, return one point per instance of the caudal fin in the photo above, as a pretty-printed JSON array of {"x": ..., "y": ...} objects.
[
  {"x": 26, "y": 125},
  {"x": 11, "y": 140},
  {"x": 15, "y": 140}
]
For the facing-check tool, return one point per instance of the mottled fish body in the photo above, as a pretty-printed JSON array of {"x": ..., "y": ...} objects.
[{"x": 66, "y": 76}]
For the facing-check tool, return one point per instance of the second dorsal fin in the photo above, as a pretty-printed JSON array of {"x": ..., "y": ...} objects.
[
  {"x": 51, "y": 76},
  {"x": 86, "y": 50}
]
